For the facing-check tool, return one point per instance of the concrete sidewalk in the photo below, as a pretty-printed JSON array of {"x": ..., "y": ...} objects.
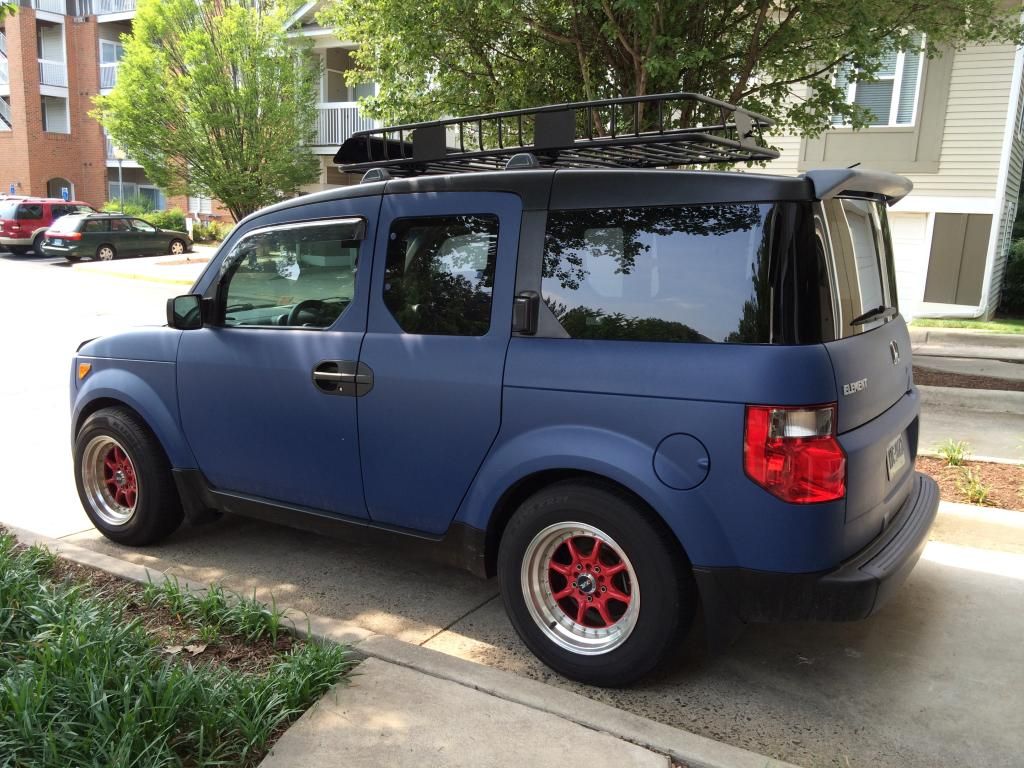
[
  {"x": 966, "y": 343},
  {"x": 176, "y": 270}
]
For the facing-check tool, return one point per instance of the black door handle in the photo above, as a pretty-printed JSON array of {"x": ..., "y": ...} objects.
[{"x": 343, "y": 377}]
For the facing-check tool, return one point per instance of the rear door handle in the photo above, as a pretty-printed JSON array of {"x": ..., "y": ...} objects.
[{"x": 343, "y": 377}]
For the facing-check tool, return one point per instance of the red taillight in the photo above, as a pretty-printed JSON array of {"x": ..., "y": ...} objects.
[
  {"x": 793, "y": 453},
  {"x": 52, "y": 234}
]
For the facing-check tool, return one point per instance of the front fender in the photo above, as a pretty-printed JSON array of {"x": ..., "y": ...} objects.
[
  {"x": 149, "y": 388},
  {"x": 618, "y": 457}
]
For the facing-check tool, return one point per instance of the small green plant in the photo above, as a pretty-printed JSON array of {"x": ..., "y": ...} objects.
[
  {"x": 955, "y": 452},
  {"x": 972, "y": 487},
  {"x": 174, "y": 219},
  {"x": 210, "y": 231},
  {"x": 208, "y": 634}
]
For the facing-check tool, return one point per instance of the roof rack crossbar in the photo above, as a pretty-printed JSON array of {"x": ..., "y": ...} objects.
[{"x": 667, "y": 129}]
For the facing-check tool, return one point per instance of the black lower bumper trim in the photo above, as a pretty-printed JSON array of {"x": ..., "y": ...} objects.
[{"x": 853, "y": 591}]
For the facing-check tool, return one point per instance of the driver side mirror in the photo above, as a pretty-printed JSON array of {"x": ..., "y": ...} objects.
[{"x": 185, "y": 312}]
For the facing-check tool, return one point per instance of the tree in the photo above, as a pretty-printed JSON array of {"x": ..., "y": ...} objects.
[
  {"x": 779, "y": 57},
  {"x": 212, "y": 97}
]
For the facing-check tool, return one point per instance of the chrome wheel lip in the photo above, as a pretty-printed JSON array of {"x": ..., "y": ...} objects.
[
  {"x": 94, "y": 483},
  {"x": 549, "y": 616}
]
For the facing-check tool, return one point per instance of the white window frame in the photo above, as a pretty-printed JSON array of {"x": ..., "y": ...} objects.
[{"x": 897, "y": 88}]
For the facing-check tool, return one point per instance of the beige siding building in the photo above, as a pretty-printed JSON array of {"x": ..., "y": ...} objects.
[{"x": 953, "y": 126}]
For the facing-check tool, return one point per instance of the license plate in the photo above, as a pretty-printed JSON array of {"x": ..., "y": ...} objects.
[
  {"x": 895, "y": 457},
  {"x": 58, "y": 242}
]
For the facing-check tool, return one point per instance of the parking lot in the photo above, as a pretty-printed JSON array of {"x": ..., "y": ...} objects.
[{"x": 935, "y": 679}]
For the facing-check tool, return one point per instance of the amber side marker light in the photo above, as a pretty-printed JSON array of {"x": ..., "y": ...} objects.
[{"x": 83, "y": 370}]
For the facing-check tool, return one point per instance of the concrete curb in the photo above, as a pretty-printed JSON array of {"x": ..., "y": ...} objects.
[
  {"x": 990, "y": 400},
  {"x": 682, "y": 746},
  {"x": 132, "y": 275},
  {"x": 986, "y": 459}
]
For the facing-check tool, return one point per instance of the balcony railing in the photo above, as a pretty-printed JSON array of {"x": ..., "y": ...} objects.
[
  {"x": 3, "y": 43},
  {"x": 53, "y": 6},
  {"x": 336, "y": 121},
  {"x": 5, "y": 113},
  {"x": 108, "y": 75},
  {"x": 103, "y": 7},
  {"x": 5, "y": 76},
  {"x": 53, "y": 73}
]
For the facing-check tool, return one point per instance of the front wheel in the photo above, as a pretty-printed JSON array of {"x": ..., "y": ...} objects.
[
  {"x": 124, "y": 479},
  {"x": 592, "y": 585},
  {"x": 177, "y": 247}
]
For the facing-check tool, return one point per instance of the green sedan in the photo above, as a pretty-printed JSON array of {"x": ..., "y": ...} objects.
[{"x": 106, "y": 236}]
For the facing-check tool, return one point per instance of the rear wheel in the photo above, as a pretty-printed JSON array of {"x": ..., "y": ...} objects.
[
  {"x": 37, "y": 245},
  {"x": 73, "y": 259},
  {"x": 124, "y": 479},
  {"x": 106, "y": 253},
  {"x": 573, "y": 563},
  {"x": 17, "y": 250},
  {"x": 177, "y": 247}
]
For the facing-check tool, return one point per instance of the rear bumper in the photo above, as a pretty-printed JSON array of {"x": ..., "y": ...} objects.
[{"x": 855, "y": 590}]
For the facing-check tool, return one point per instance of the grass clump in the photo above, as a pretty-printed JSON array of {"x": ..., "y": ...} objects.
[
  {"x": 83, "y": 683},
  {"x": 972, "y": 487},
  {"x": 1001, "y": 325},
  {"x": 955, "y": 452}
]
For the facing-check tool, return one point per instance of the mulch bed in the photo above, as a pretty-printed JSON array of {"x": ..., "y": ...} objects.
[
  {"x": 930, "y": 378},
  {"x": 173, "y": 632},
  {"x": 1005, "y": 482}
]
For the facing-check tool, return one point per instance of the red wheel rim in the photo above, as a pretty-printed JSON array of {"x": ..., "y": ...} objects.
[
  {"x": 119, "y": 477},
  {"x": 589, "y": 582}
]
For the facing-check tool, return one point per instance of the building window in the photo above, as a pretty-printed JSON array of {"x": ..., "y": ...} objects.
[
  {"x": 892, "y": 96},
  {"x": 198, "y": 204},
  {"x": 110, "y": 57},
  {"x": 55, "y": 114}
]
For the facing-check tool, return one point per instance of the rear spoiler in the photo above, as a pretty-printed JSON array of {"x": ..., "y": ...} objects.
[{"x": 831, "y": 182}]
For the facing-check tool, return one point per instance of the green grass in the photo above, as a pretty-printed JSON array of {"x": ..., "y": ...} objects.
[
  {"x": 83, "y": 684},
  {"x": 1002, "y": 325}
]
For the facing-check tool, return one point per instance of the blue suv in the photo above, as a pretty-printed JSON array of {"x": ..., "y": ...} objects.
[{"x": 598, "y": 384}]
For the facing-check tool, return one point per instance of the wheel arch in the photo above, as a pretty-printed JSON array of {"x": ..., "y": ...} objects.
[
  {"x": 135, "y": 395},
  {"x": 516, "y": 494}
]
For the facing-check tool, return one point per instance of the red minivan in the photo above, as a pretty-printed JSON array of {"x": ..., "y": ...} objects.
[{"x": 24, "y": 220}]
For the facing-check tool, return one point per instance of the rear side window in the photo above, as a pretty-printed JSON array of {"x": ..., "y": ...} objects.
[
  {"x": 95, "y": 225},
  {"x": 66, "y": 224},
  {"x": 856, "y": 235},
  {"x": 29, "y": 211},
  {"x": 439, "y": 276},
  {"x": 698, "y": 273}
]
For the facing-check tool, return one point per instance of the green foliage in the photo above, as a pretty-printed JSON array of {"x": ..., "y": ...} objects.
[
  {"x": 215, "y": 99},
  {"x": 210, "y": 231},
  {"x": 81, "y": 683},
  {"x": 971, "y": 486},
  {"x": 133, "y": 206},
  {"x": 955, "y": 452},
  {"x": 174, "y": 219},
  {"x": 454, "y": 57},
  {"x": 1011, "y": 299}
]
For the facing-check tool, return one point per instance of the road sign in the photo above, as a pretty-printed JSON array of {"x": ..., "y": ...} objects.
[
  {"x": 65, "y": 193},
  {"x": 12, "y": 189}
]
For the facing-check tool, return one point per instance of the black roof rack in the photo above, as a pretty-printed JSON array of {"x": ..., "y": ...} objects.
[{"x": 667, "y": 129}]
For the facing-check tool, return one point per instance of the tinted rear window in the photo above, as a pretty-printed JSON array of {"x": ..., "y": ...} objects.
[
  {"x": 737, "y": 273},
  {"x": 29, "y": 211},
  {"x": 66, "y": 224},
  {"x": 855, "y": 235}
]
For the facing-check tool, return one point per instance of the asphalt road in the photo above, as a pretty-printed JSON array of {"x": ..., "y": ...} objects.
[{"x": 935, "y": 679}]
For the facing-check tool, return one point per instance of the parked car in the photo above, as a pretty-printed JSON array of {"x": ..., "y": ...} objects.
[
  {"x": 23, "y": 220},
  {"x": 107, "y": 236},
  {"x": 597, "y": 384}
]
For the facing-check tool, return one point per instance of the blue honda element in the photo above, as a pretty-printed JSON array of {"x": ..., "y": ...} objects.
[{"x": 625, "y": 390}]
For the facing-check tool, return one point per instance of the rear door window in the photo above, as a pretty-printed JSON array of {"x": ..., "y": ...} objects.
[
  {"x": 29, "y": 211},
  {"x": 855, "y": 235},
  {"x": 95, "y": 225}
]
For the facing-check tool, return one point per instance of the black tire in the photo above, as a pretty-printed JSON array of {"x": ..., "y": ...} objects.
[
  {"x": 18, "y": 250},
  {"x": 155, "y": 509},
  {"x": 662, "y": 573},
  {"x": 72, "y": 259},
  {"x": 37, "y": 245},
  {"x": 103, "y": 250}
]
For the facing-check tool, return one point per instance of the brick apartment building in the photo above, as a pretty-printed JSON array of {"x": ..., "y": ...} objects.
[{"x": 56, "y": 55}]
